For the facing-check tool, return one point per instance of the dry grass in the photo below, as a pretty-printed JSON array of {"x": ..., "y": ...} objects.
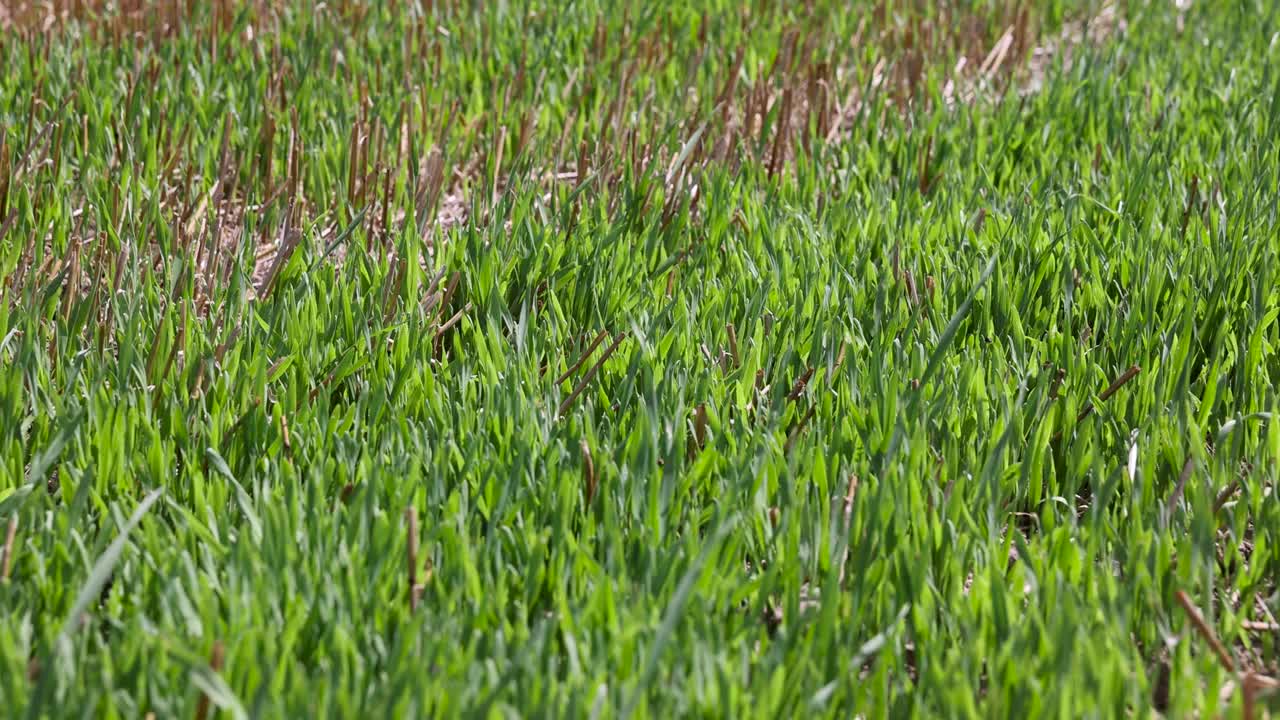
[{"x": 117, "y": 20}]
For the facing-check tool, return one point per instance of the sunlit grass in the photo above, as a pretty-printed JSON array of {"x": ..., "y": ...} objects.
[{"x": 712, "y": 359}]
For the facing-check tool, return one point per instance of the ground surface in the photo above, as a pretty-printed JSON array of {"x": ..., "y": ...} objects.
[{"x": 704, "y": 358}]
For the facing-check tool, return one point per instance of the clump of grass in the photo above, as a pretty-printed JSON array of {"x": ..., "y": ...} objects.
[{"x": 734, "y": 359}]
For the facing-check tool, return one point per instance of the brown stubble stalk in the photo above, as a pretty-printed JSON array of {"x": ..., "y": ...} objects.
[
  {"x": 1198, "y": 621},
  {"x": 1056, "y": 386},
  {"x": 289, "y": 238},
  {"x": 530, "y": 120},
  {"x": 216, "y": 658},
  {"x": 431, "y": 187},
  {"x": 391, "y": 286},
  {"x": 384, "y": 226},
  {"x": 699, "y": 439},
  {"x": 431, "y": 296},
  {"x": 35, "y": 99},
  {"x": 368, "y": 137},
  {"x": 801, "y": 383},
  {"x": 98, "y": 269},
  {"x": 294, "y": 169},
  {"x": 454, "y": 320},
  {"x": 558, "y": 153},
  {"x": 588, "y": 472},
  {"x": 353, "y": 156},
  {"x": 415, "y": 590},
  {"x": 926, "y": 170},
  {"x": 724, "y": 100},
  {"x": 780, "y": 139},
  {"x": 108, "y": 317},
  {"x": 36, "y": 150},
  {"x": 222, "y": 273},
  {"x": 437, "y": 339},
  {"x": 591, "y": 373},
  {"x": 1253, "y": 685},
  {"x": 909, "y": 281},
  {"x": 173, "y": 352},
  {"x": 449, "y": 290},
  {"x": 266, "y": 150},
  {"x": 285, "y": 245},
  {"x": 583, "y": 357},
  {"x": 835, "y": 366},
  {"x": 689, "y": 86},
  {"x": 1115, "y": 386},
  {"x": 849, "y": 496},
  {"x": 72, "y": 283},
  {"x": 285, "y": 439},
  {"x": 1192, "y": 198},
  {"x": 5, "y": 174},
  {"x": 1188, "y": 467},
  {"x": 1225, "y": 494},
  {"x": 6, "y": 558},
  {"x": 796, "y": 431},
  {"x": 496, "y": 152},
  {"x": 208, "y": 270},
  {"x": 378, "y": 142}
]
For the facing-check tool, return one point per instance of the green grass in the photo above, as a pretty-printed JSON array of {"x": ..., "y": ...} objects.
[{"x": 853, "y": 430}]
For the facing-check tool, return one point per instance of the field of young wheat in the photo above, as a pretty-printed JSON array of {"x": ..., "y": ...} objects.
[{"x": 709, "y": 358}]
